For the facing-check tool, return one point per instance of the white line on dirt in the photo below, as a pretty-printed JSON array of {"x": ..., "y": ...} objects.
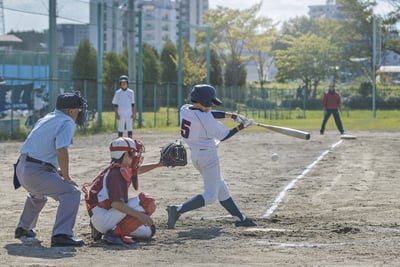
[
  {"x": 282, "y": 194},
  {"x": 299, "y": 244}
]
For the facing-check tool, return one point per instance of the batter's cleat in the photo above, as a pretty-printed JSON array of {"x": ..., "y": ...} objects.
[
  {"x": 173, "y": 216},
  {"x": 96, "y": 235},
  {"x": 245, "y": 223},
  {"x": 112, "y": 239},
  {"x": 21, "y": 232}
]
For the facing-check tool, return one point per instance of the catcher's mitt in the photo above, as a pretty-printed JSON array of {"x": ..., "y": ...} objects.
[{"x": 173, "y": 154}]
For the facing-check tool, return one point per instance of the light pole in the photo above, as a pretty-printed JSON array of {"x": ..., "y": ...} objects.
[
  {"x": 99, "y": 62},
  {"x": 374, "y": 66}
]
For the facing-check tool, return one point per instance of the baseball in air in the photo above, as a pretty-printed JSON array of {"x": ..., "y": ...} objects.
[{"x": 274, "y": 157}]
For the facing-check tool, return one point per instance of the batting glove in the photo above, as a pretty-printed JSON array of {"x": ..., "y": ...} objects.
[
  {"x": 239, "y": 118},
  {"x": 247, "y": 122}
]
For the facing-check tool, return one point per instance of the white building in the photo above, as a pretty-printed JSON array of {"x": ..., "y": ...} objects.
[
  {"x": 191, "y": 13},
  {"x": 159, "y": 22},
  {"x": 330, "y": 10}
]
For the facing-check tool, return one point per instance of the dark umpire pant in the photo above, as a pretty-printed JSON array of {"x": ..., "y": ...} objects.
[{"x": 336, "y": 116}]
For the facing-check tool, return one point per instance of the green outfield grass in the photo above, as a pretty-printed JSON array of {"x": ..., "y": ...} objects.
[
  {"x": 352, "y": 120},
  {"x": 167, "y": 120}
]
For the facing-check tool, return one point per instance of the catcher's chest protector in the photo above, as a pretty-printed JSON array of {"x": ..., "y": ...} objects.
[{"x": 96, "y": 193}]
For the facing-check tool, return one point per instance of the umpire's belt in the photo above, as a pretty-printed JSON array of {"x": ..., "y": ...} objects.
[{"x": 49, "y": 165}]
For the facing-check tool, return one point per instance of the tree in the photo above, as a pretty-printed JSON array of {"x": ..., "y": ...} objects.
[
  {"x": 230, "y": 30},
  {"x": 151, "y": 75},
  {"x": 169, "y": 70},
  {"x": 216, "y": 69},
  {"x": 113, "y": 68},
  {"x": 308, "y": 58},
  {"x": 31, "y": 40},
  {"x": 84, "y": 71},
  {"x": 260, "y": 47},
  {"x": 194, "y": 69}
]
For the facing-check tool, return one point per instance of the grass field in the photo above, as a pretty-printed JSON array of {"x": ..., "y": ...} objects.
[
  {"x": 167, "y": 120},
  {"x": 355, "y": 120}
]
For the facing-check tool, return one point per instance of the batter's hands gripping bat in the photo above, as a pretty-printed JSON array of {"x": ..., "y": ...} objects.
[{"x": 286, "y": 131}]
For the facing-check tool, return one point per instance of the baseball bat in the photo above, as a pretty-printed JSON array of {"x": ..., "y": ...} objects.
[{"x": 286, "y": 131}]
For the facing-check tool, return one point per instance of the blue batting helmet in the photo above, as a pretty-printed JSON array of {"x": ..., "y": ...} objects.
[{"x": 204, "y": 94}]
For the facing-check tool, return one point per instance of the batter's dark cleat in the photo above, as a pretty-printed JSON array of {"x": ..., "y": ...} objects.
[
  {"x": 21, "y": 232},
  {"x": 321, "y": 132},
  {"x": 173, "y": 216},
  {"x": 96, "y": 235},
  {"x": 62, "y": 240},
  {"x": 112, "y": 239},
  {"x": 245, "y": 223}
]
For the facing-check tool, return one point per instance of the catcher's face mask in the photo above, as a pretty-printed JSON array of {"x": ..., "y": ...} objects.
[{"x": 135, "y": 148}]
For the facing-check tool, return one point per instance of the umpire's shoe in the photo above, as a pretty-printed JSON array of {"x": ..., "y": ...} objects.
[
  {"x": 245, "y": 223},
  {"x": 173, "y": 216},
  {"x": 62, "y": 240},
  {"x": 21, "y": 232}
]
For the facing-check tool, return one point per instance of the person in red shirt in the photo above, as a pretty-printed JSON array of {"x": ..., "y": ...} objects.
[
  {"x": 113, "y": 216},
  {"x": 331, "y": 102}
]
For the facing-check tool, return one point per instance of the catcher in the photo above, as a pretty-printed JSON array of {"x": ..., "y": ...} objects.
[{"x": 114, "y": 217}]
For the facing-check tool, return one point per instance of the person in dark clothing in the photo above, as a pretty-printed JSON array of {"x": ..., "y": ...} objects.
[{"x": 331, "y": 102}]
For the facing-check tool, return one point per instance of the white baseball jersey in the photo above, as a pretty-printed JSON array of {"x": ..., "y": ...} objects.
[
  {"x": 199, "y": 129},
  {"x": 124, "y": 99}
]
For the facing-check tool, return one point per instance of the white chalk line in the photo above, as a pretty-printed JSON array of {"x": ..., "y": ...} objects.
[{"x": 282, "y": 194}]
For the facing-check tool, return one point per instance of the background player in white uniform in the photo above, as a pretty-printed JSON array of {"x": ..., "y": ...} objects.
[
  {"x": 124, "y": 106},
  {"x": 202, "y": 132}
]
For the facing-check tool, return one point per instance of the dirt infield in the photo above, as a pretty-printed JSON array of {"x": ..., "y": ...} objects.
[{"x": 339, "y": 205}]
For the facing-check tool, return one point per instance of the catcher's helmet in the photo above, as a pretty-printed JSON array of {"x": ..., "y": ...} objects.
[
  {"x": 123, "y": 78},
  {"x": 204, "y": 94},
  {"x": 121, "y": 145}
]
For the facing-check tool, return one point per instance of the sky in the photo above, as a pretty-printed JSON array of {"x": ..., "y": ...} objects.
[
  {"x": 78, "y": 11},
  {"x": 34, "y": 15}
]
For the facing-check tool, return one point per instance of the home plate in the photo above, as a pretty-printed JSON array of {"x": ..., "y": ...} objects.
[
  {"x": 257, "y": 229},
  {"x": 348, "y": 136}
]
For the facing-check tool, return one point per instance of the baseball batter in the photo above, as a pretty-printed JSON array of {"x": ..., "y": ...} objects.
[
  {"x": 124, "y": 107},
  {"x": 202, "y": 132}
]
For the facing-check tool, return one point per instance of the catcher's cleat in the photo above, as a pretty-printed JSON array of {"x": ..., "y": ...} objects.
[
  {"x": 21, "y": 232},
  {"x": 245, "y": 223},
  {"x": 96, "y": 235},
  {"x": 173, "y": 216},
  {"x": 112, "y": 239}
]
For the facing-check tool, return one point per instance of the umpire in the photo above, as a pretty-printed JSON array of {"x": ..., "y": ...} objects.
[{"x": 43, "y": 170}]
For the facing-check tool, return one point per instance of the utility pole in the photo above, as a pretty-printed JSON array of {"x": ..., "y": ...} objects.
[
  {"x": 52, "y": 55},
  {"x": 2, "y": 23},
  {"x": 131, "y": 44},
  {"x": 374, "y": 66},
  {"x": 100, "y": 32}
]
